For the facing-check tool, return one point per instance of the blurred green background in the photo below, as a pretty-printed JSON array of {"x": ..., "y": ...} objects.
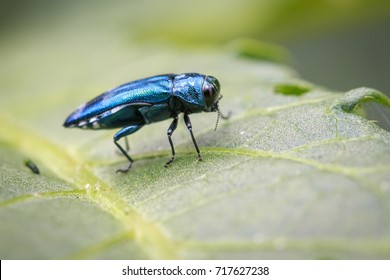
[
  {"x": 341, "y": 44},
  {"x": 338, "y": 43}
]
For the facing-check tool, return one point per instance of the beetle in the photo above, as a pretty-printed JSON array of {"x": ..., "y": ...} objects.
[{"x": 149, "y": 100}]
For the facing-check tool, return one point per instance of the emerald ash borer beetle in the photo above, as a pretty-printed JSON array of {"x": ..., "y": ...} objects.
[{"x": 135, "y": 104}]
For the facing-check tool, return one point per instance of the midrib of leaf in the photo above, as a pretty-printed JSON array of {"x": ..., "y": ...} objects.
[{"x": 146, "y": 234}]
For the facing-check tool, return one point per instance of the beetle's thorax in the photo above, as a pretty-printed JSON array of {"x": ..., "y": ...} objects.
[{"x": 187, "y": 92}]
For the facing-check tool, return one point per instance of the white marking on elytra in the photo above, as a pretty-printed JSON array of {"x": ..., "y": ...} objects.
[
  {"x": 92, "y": 120},
  {"x": 82, "y": 123}
]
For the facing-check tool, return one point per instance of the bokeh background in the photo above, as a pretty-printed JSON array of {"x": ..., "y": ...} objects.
[{"x": 340, "y": 44}]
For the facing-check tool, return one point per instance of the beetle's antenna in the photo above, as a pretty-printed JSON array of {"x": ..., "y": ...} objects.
[{"x": 219, "y": 114}]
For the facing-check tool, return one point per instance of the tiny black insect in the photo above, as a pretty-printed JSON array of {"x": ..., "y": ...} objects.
[{"x": 30, "y": 164}]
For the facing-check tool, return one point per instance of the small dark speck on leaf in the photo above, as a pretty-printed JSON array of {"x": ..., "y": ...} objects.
[{"x": 30, "y": 164}]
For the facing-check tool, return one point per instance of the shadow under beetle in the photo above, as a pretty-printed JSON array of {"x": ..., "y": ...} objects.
[{"x": 132, "y": 105}]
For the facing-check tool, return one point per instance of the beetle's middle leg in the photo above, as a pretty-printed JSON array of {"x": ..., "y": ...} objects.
[
  {"x": 189, "y": 127},
  {"x": 122, "y": 133},
  {"x": 170, "y": 130}
]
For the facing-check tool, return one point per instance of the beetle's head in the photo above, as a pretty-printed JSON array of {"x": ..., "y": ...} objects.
[{"x": 210, "y": 91}]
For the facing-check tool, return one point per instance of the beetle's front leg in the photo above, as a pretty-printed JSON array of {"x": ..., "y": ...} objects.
[
  {"x": 189, "y": 126},
  {"x": 170, "y": 131}
]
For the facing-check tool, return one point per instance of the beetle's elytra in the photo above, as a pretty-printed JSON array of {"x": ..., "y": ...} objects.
[{"x": 135, "y": 104}]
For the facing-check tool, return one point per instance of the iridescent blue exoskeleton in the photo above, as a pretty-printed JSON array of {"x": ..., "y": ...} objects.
[{"x": 132, "y": 105}]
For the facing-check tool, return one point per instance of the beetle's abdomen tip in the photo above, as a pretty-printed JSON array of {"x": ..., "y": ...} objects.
[
  {"x": 90, "y": 123},
  {"x": 70, "y": 122},
  {"x": 66, "y": 124}
]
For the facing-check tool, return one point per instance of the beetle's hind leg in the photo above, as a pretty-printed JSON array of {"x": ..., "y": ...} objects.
[
  {"x": 122, "y": 133},
  {"x": 126, "y": 155},
  {"x": 126, "y": 148},
  {"x": 170, "y": 131}
]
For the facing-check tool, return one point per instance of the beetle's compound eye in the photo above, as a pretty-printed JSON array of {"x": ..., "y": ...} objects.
[
  {"x": 210, "y": 91},
  {"x": 209, "y": 94}
]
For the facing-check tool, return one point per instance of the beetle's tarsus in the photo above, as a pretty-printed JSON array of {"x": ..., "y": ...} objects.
[
  {"x": 168, "y": 163},
  {"x": 124, "y": 170}
]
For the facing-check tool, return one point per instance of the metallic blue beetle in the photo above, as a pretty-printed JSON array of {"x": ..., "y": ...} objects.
[{"x": 132, "y": 105}]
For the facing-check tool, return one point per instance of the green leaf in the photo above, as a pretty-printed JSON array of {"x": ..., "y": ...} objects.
[{"x": 291, "y": 175}]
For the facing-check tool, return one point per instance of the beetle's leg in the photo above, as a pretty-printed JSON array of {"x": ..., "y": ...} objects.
[
  {"x": 127, "y": 144},
  {"x": 122, "y": 133},
  {"x": 170, "y": 130},
  {"x": 189, "y": 126},
  {"x": 126, "y": 155}
]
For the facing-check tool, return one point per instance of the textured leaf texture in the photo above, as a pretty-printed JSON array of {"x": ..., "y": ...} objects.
[{"x": 296, "y": 172}]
